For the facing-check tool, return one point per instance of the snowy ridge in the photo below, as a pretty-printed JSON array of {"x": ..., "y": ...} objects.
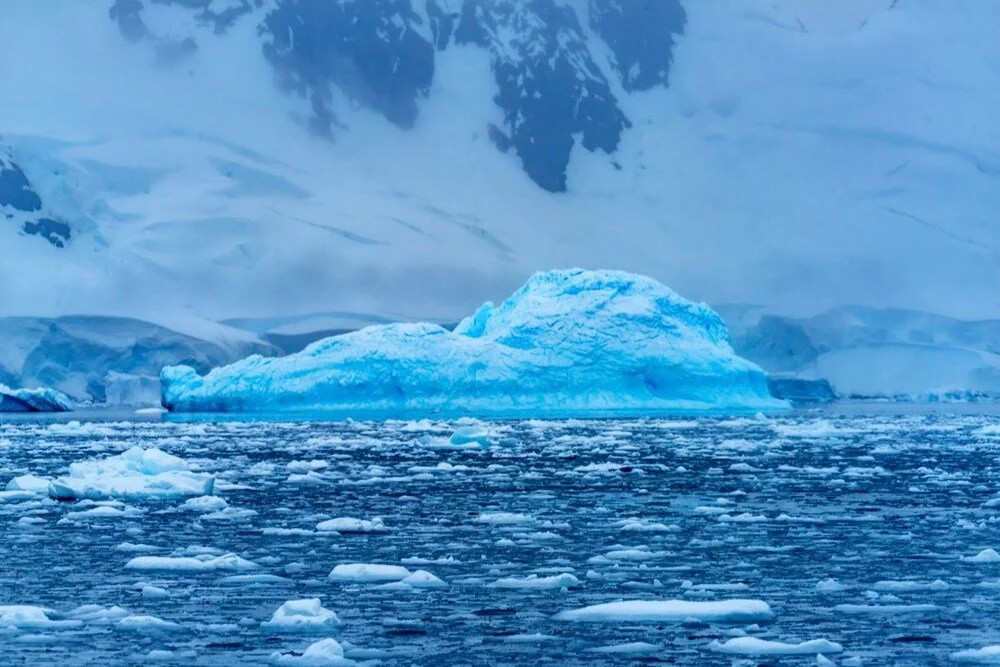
[{"x": 568, "y": 342}]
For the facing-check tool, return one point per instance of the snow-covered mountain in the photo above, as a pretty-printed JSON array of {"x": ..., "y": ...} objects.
[{"x": 411, "y": 158}]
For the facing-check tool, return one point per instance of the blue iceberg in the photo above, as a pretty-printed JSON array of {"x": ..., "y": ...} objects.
[
  {"x": 567, "y": 343},
  {"x": 33, "y": 400}
]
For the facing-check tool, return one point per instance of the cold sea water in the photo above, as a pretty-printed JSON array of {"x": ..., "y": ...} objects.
[{"x": 871, "y": 529}]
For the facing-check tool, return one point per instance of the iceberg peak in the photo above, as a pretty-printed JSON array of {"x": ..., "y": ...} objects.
[{"x": 570, "y": 342}]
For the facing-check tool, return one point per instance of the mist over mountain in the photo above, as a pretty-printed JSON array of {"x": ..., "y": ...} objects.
[{"x": 173, "y": 159}]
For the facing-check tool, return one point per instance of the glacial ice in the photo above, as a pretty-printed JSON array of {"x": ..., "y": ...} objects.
[
  {"x": 725, "y": 611},
  {"x": 135, "y": 473},
  {"x": 567, "y": 342},
  {"x": 33, "y": 400}
]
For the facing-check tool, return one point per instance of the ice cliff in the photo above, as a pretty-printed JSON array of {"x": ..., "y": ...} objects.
[
  {"x": 566, "y": 343},
  {"x": 33, "y": 400}
]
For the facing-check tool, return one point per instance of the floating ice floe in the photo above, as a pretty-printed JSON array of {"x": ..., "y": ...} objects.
[
  {"x": 302, "y": 615},
  {"x": 725, "y": 611},
  {"x": 134, "y": 474},
  {"x": 909, "y": 586},
  {"x": 535, "y": 582},
  {"x": 148, "y": 625},
  {"x": 368, "y": 573},
  {"x": 30, "y": 617},
  {"x": 984, "y": 556},
  {"x": 504, "y": 518},
  {"x": 199, "y": 563},
  {"x": 324, "y": 653},
  {"x": 568, "y": 342},
  {"x": 30, "y": 483},
  {"x": 423, "y": 579},
  {"x": 985, "y": 655},
  {"x": 755, "y": 646},
  {"x": 349, "y": 525}
]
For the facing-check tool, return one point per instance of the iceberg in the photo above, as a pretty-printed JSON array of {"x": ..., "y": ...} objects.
[
  {"x": 33, "y": 400},
  {"x": 567, "y": 343}
]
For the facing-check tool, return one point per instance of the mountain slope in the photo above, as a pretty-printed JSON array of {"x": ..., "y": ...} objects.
[{"x": 241, "y": 158}]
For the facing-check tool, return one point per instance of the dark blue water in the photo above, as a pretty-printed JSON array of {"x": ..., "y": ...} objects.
[{"x": 763, "y": 509}]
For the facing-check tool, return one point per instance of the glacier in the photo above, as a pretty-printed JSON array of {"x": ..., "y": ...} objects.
[
  {"x": 33, "y": 400},
  {"x": 570, "y": 342}
]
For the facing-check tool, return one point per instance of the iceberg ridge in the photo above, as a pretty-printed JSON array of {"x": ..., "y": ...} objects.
[{"x": 569, "y": 342}]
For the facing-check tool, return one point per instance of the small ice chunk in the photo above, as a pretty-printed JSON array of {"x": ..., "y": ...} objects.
[
  {"x": 535, "y": 582},
  {"x": 830, "y": 586},
  {"x": 255, "y": 579},
  {"x": 30, "y": 617},
  {"x": 200, "y": 563},
  {"x": 504, "y": 518},
  {"x": 298, "y": 615},
  {"x": 154, "y": 592},
  {"x": 94, "y": 613},
  {"x": 204, "y": 504},
  {"x": 727, "y": 611},
  {"x": 324, "y": 653},
  {"x": 909, "y": 586},
  {"x": 984, "y": 556},
  {"x": 424, "y": 579},
  {"x": 349, "y": 525},
  {"x": 986, "y": 655},
  {"x": 147, "y": 625},
  {"x": 756, "y": 646},
  {"x": 471, "y": 434},
  {"x": 368, "y": 572}
]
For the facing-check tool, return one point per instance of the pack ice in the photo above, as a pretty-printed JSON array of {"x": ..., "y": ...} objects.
[{"x": 567, "y": 342}]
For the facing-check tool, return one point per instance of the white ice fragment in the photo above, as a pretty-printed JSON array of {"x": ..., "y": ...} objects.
[
  {"x": 756, "y": 646},
  {"x": 136, "y": 473},
  {"x": 728, "y": 611},
  {"x": 31, "y": 483},
  {"x": 200, "y": 563},
  {"x": 985, "y": 655},
  {"x": 423, "y": 579},
  {"x": 535, "y": 582},
  {"x": 147, "y": 625},
  {"x": 297, "y": 615},
  {"x": 984, "y": 556},
  {"x": 324, "y": 653},
  {"x": 504, "y": 518},
  {"x": 350, "y": 525},
  {"x": 30, "y": 617},
  {"x": 368, "y": 572}
]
